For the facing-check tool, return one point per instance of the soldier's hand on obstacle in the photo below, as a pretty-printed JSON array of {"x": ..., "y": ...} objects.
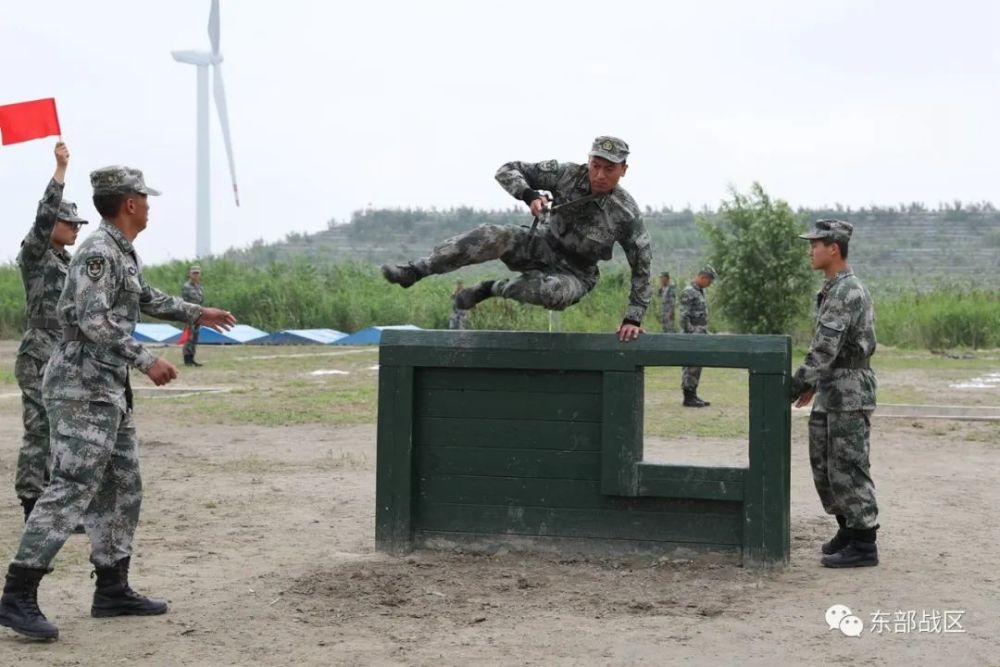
[
  {"x": 539, "y": 205},
  {"x": 804, "y": 398},
  {"x": 162, "y": 372},
  {"x": 628, "y": 331},
  {"x": 216, "y": 318}
]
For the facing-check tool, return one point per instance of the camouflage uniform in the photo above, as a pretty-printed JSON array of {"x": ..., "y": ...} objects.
[
  {"x": 87, "y": 395},
  {"x": 43, "y": 272},
  {"x": 192, "y": 293},
  {"x": 459, "y": 318},
  {"x": 837, "y": 367},
  {"x": 668, "y": 296},
  {"x": 694, "y": 320},
  {"x": 558, "y": 261}
]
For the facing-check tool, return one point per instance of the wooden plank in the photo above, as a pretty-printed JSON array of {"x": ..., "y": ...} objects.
[
  {"x": 710, "y": 483},
  {"x": 695, "y": 527},
  {"x": 506, "y": 434},
  {"x": 519, "y": 406},
  {"x": 491, "y": 462},
  {"x": 509, "y": 379},
  {"x": 566, "y": 546},
  {"x": 566, "y": 493},
  {"x": 775, "y": 492},
  {"x": 621, "y": 432},
  {"x": 492, "y": 349},
  {"x": 393, "y": 528}
]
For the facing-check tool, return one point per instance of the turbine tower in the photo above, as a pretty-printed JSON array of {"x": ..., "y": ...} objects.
[{"x": 203, "y": 60}]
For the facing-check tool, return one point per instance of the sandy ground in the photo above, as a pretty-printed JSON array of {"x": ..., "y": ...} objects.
[{"x": 262, "y": 539}]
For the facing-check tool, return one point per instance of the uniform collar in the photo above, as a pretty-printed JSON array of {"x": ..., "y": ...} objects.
[
  {"x": 845, "y": 273},
  {"x": 118, "y": 236},
  {"x": 697, "y": 286}
]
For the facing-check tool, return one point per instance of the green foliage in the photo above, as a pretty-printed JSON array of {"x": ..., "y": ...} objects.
[
  {"x": 764, "y": 277},
  {"x": 941, "y": 320}
]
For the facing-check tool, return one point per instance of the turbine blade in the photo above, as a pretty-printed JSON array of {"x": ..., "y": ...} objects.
[
  {"x": 219, "y": 91},
  {"x": 213, "y": 27}
]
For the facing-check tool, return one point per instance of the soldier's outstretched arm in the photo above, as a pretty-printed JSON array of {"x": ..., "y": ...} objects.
[
  {"x": 97, "y": 280},
  {"x": 160, "y": 304},
  {"x": 639, "y": 253},
  {"x": 37, "y": 242},
  {"x": 522, "y": 180}
]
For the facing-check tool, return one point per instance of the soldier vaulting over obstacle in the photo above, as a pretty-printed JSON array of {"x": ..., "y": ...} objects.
[{"x": 557, "y": 259}]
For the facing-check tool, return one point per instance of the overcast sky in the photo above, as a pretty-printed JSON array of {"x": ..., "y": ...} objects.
[{"x": 335, "y": 105}]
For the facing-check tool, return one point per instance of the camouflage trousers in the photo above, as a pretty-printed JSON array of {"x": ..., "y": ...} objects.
[
  {"x": 838, "y": 453},
  {"x": 691, "y": 375},
  {"x": 548, "y": 278},
  {"x": 95, "y": 476},
  {"x": 33, "y": 460},
  {"x": 667, "y": 321},
  {"x": 459, "y": 320},
  {"x": 191, "y": 344}
]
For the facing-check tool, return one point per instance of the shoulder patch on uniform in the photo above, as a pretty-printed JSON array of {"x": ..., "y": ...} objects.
[
  {"x": 549, "y": 165},
  {"x": 96, "y": 267}
]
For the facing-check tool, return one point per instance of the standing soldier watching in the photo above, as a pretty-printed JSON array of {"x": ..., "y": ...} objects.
[
  {"x": 694, "y": 320},
  {"x": 459, "y": 318},
  {"x": 837, "y": 374},
  {"x": 668, "y": 296},
  {"x": 95, "y": 474},
  {"x": 192, "y": 292},
  {"x": 558, "y": 259},
  {"x": 43, "y": 261}
]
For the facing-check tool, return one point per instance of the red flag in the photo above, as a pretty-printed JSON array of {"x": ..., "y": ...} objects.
[
  {"x": 29, "y": 120},
  {"x": 184, "y": 336}
]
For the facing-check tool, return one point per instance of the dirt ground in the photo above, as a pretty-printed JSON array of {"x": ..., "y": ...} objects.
[{"x": 260, "y": 532}]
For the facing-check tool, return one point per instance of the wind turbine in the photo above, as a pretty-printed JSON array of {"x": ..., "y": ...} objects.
[{"x": 203, "y": 60}]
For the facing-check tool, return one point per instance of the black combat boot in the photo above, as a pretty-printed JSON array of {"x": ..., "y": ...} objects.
[
  {"x": 19, "y": 605},
  {"x": 28, "y": 504},
  {"x": 403, "y": 275},
  {"x": 691, "y": 400},
  {"x": 840, "y": 540},
  {"x": 467, "y": 298},
  {"x": 703, "y": 402},
  {"x": 114, "y": 597},
  {"x": 860, "y": 551}
]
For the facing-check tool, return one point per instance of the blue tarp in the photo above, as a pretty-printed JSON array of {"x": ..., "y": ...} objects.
[
  {"x": 302, "y": 337},
  {"x": 241, "y": 333},
  {"x": 371, "y": 335},
  {"x": 148, "y": 332}
]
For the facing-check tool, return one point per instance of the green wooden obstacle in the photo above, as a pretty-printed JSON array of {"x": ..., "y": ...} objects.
[{"x": 491, "y": 438}]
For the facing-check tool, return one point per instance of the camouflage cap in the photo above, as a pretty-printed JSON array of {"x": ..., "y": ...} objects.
[
  {"x": 709, "y": 271},
  {"x": 834, "y": 230},
  {"x": 67, "y": 213},
  {"x": 609, "y": 148},
  {"x": 194, "y": 269},
  {"x": 119, "y": 180}
]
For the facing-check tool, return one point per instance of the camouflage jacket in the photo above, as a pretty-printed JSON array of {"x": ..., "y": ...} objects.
[
  {"x": 105, "y": 290},
  {"x": 43, "y": 272},
  {"x": 836, "y": 365},
  {"x": 587, "y": 232},
  {"x": 193, "y": 293},
  {"x": 694, "y": 310},
  {"x": 668, "y": 296}
]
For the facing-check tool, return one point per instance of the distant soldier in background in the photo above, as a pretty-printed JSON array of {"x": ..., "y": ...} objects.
[
  {"x": 43, "y": 261},
  {"x": 192, "y": 292},
  {"x": 694, "y": 320},
  {"x": 837, "y": 370},
  {"x": 668, "y": 296},
  {"x": 557, "y": 260},
  {"x": 459, "y": 317}
]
